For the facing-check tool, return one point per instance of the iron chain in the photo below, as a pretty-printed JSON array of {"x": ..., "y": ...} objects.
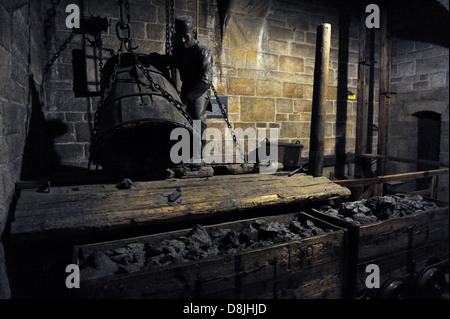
[
  {"x": 225, "y": 117},
  {"x": 105, "y": 94},
  {"x": 58, "y": 52},
  {"x": 100, "y": 59},
  {"x": 52, "y": 60},
  {"x": 168, "y": 33},
  {"x": 155, "y": 86}
]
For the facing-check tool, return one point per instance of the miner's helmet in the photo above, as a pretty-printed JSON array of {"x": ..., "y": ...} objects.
[{"x": 184, "y": 25}]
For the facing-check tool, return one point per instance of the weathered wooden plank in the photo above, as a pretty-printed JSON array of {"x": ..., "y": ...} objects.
[
  {"x": 124, "y": 213},
  {"x": 143, "y": 196},
  {"x": 203, "y": 200},
  {"x": 64, "y": 194}
]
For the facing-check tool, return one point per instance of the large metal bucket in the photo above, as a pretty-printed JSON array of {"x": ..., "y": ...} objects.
[{"x": 135, "y": 122}]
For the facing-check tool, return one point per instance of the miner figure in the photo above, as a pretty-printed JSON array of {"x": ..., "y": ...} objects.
[{"x": 194, "y": 62}]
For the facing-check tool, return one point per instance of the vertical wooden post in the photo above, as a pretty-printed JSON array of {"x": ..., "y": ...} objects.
[
  {"x": 317, "y": 143},
  {"x": 433, "y": 186},
  {"x": 362, "y": 90},
  {"x": 385, "y": 79},
  {"x": 362, "y": 102}
]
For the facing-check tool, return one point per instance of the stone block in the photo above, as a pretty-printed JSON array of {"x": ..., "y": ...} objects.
[
  {"x": 303, "y": 50},
  {"x": 254, "y": 59},
  {"x": 434, "y": 51},
  {"x": 295, "y": 118},
  {"x": 270, "y": 61},
  {"x": 281, "y": 76},
  {"x": 238, "y": 58},
  {"x": 330, "y": 144},
  {"x": 221, "y": 87},
  {"x": 75, "y": 117},
  {"x": 297, "y": 21},
  {"x": 305, "y": 117},
  {"x": 280, "y": 33},
  {"x": 268, "y": 88},
  {"x": 251, "y": 73},
  {"x": 243, "y": 31},
  {"x": 148, "y": 46},
  {"x": 278, "y": 47},
  {"x": 274, "y": 125},
  {"x": 438, "y": 80},
  {"x": 405, "y": 69},
  {"x": 19, "y": 93},
  {"x": 144, "y": 12},
  {"x": 257, "y": 109},
  {"x": 70, "y": 152},
  {"x": 402, "y": 47},
  {"x": 294, "y": 129},
  {"x": 5, "y": 71},
  {"x": 82, "y": 132},
  {"x": 308, "y": 91},
  {"x": 302, "y": 106},
  {"x": 5, "y": 29},
  {"x": 432, "y": 65},
  {"x": 64, "y": 100},
  {"x": 4, "y": 154},
  {"x": 63, "y": 132},
  {"x": 293, "y": 90},
  {"x": 291, "y": 64},
  {"x": 332, "y": 93},
  {"x": 299, "y": 36},
  {"x": 156, "y": 32},
  {"x": 239, "y": 86},
  {"x": 19, "y": 73},
  {"x": 436, "y": 94},
  {"x": 284, "y": 105},
  {"x": 329, "y": 130},
  {"x": 14, "y": 118},
  {"x": 421, "y": 85}
]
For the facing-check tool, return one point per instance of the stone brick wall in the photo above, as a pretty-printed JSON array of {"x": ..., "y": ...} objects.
[
  {"x": 420, "y": 76},
  {"x": 21, "y": 55},
  {"x": 269, "y": 77},
  {"x": 263, "y": 63}
]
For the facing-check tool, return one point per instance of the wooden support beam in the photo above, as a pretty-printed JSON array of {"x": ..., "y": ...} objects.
[
  {"x": 317, "y": 141},
  {"x": 391, "y": 178},
  {"x": 384, "y": 87},
  {"x": 362, "y": 88},
  {"x": 416, "y": 161}
]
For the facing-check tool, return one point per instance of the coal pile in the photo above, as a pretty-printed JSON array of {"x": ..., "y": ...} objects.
[
  {"x": 380, "y": 208},
  {"x": 199, "y": 243}
]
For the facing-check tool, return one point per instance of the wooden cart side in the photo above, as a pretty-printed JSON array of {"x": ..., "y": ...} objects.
[{"x": 287, "y": 270}]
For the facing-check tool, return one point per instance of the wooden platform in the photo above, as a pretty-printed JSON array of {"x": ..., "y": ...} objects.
[{"x": 93, "y": 208}]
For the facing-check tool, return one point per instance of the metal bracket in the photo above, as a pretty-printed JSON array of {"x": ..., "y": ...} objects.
[
  {"x": 387, "y": 94},
  {"x": 367, "y": 61}
]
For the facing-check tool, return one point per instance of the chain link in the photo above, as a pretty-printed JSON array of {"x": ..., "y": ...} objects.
[
  {"x": 52, "y": 60},
  {"x": 103, "y": 97},
  {"x": 100, "y": 60},
  {"x": 58, "y": 52},
  {"x": 172, "y": 19},
  {"x": 225, "y": 117},
  {"x": 155, "y": 86},
  {"x": 127, "y": 11},
  {"x": 168, "y": 42}
]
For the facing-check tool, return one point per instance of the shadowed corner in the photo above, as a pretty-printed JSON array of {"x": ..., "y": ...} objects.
[{"x": 40, "y": 157}]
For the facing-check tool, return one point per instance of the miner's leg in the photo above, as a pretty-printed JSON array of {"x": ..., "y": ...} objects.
[{"x": 197, "y": 110}]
